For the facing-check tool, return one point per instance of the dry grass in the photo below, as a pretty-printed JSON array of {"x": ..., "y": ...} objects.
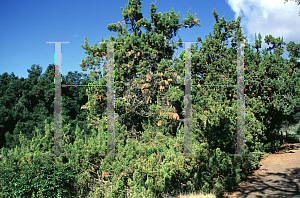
[
  {"x": 188, "y": 195},
  {"x": 194, "y": 195}
]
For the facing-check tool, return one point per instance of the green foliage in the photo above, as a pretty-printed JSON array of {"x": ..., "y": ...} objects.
[
  {"x": 149, "y": 87},
  {"x": 133, "y": 64},
  {"x": 149, "y": 113},
  {"x": 36, "y": 180},
  {"x": 25, "y": 172},
  {"x": 32, "y": 101}
]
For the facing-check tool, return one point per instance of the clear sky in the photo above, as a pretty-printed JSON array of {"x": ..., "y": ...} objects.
[{"x": 28, "y": 25}]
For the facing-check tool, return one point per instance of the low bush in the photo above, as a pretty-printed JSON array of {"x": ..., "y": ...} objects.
[{"x": 41, "y": 178}]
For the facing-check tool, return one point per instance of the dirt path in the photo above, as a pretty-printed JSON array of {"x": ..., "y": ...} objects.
[{"x": 278, "y": 176}]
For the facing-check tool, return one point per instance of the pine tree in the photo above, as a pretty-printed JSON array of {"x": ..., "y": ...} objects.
[
  {"x": 73, "y": 99},
  {"x": 143, "y": 65},
  {"x": 145, "y": 72},
  {"x": 10, "y": 92}
]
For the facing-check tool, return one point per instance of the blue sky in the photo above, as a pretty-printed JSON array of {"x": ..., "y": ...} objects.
[{"x": 28, "y": 25}]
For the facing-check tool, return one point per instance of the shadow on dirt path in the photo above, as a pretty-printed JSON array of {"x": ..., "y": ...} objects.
[{"x": 278, "y": 176}]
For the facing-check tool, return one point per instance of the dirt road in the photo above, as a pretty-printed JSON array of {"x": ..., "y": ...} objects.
[{"x": 278, "y": 176}]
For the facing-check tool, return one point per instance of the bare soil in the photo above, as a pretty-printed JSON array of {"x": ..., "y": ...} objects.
[{"x": 278, "y": 176}]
